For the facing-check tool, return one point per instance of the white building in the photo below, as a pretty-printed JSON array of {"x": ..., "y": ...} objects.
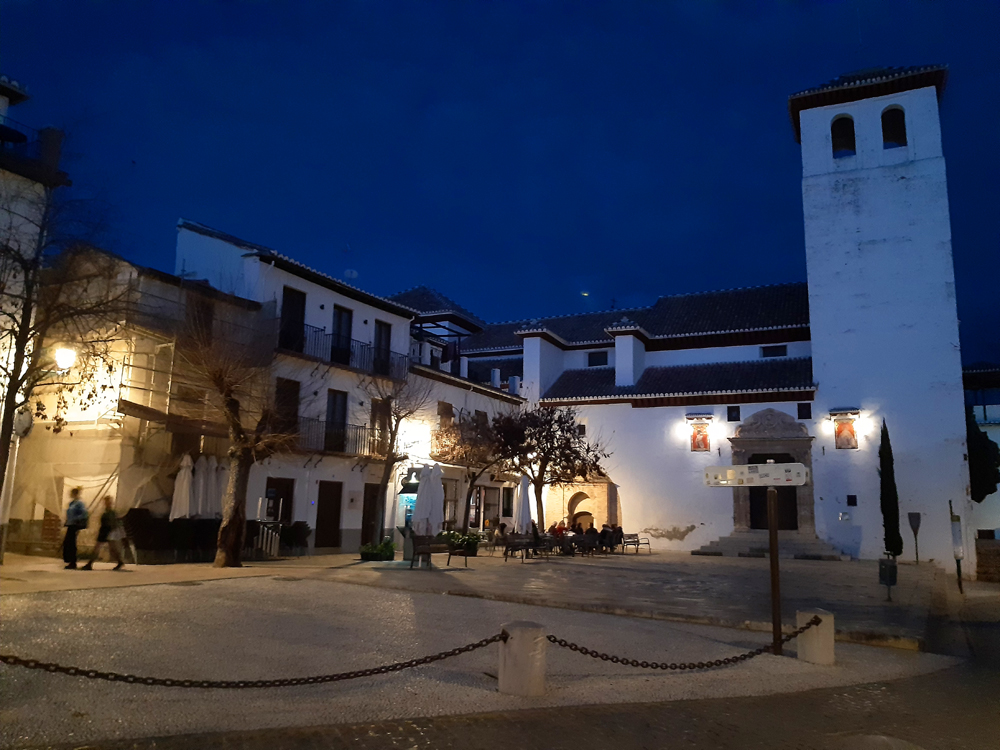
[{"x": 794, "y": 372}]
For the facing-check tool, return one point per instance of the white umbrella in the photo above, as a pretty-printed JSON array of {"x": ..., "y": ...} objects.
[
  {"x": 222, "y": 484},
  {"x": 420, "y": 520},
  {"x": 428, "y": 509},
  {"x": 199, "y": 493},
  {"x": 181, "y": 505},
  {"x": 211, "y": 500},
  {"x": 522, "y": 507}
]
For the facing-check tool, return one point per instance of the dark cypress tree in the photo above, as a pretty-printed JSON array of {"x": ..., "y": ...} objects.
[
  {"x": 889, "y": 496},
  {"x": 984, "y": 460}
]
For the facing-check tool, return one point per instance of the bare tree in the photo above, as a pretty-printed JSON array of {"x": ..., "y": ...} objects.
[
  {"x": 393, "y": 402},
  {"x": 470, "y": 442},
  {"x": 56, "y": 291},
  {"x": 227, "y": 367},
  {"x": 546, "y": 445}
]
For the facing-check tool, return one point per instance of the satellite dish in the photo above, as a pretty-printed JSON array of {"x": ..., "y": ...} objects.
[{"x": 350, "y": 273}]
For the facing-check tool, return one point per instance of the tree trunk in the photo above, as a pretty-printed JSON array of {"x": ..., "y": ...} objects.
[
  {"x": 229, "y": 552},
  {"x": 539, "y": 486},
  {"x": 391, "y": 459},
  {"x": 468, "y": 501}
]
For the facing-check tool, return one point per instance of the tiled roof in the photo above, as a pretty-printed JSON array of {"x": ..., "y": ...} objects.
[
  {"x": 427, "y": 301},
  {"x": 479, "y": 369},
  {"x": 864, "y": 84},
  {"x": 722, "y": 377},
  {"x": 733, "y": 310},
  {"x": 299, "y": 269}
]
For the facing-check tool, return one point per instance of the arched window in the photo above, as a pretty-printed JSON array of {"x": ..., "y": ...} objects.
[
  {"x": 893, "y": 128},
  {"x": 842, "y": 134}
]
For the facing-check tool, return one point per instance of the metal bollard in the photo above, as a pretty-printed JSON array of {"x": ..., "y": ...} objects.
[
  {"x": 816, "y": 644},
  {"x": 522, "y": 659}
]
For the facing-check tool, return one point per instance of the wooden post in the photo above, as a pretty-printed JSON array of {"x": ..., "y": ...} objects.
[{"x": 772, "y": 527}]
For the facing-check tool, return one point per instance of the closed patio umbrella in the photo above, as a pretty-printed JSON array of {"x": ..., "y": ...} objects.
[
  {"x": 200, "y": 487},
  {"x": 421, "y": 518},
  {"x": 180, "y": 507},
  {"x": 522, "y": 507},
  {"x": 436, "y": 493},
  {"x": 211, "y": 502}
]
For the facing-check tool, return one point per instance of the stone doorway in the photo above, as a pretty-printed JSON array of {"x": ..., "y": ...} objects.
[{"x": 773, "y": 434}]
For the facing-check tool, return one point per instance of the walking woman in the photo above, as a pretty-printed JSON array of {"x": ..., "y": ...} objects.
[
  {"x": 109, "y": 533},
  {"x": 76, "y": 519}
]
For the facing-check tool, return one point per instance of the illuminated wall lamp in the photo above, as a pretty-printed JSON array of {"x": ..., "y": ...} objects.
[{"x": 65, "y": 358}]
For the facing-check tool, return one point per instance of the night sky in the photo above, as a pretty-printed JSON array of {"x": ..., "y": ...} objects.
[{"x": 513, "y": 155}]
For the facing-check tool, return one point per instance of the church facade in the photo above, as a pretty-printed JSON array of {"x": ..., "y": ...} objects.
[{"x": 801, "y": 372}]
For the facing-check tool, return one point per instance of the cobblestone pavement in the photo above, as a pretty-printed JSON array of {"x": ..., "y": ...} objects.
[
  {"x": 724, "y": 591},
  {"x": 292, "y": 626},
  {"x": 956, "y": 709}
]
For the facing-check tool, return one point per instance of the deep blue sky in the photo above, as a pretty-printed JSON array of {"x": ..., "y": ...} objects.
[{"x": 511, "y": 154}]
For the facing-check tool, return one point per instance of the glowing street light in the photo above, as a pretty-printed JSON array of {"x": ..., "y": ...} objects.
[{"x": 65, "y": 358}]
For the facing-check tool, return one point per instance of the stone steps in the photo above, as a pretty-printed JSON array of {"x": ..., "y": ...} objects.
[{"x": 755, "y": 544}]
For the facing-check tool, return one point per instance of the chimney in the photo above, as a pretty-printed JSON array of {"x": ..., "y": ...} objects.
[
  {"x": 514, "y": 385},
  {"x": 495, "y": 377},
  {"x": 425, "y": 353},
  {"x": 50, "y": 146},
  {"x": 463, "y": 367}
]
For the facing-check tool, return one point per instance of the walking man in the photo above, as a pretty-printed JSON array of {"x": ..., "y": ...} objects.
[
  {"x": 109, "y": 533},
  {"x": 76, "y": 519}
]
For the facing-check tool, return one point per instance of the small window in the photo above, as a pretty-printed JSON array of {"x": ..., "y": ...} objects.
[
  {"x": 778, "y": 350},
  {"x": 852, "y": 500},
  {"x": 581, "y": 430},
  {"x": 508, "y": 502},
  {"x": 446, "y": 414},
  {"x": 893, "y": 128},
  {"x": 597, "y": 359},
  {"x": 732, "y": 414},
  {"x": 805, "y": 411},
  {"x": 842, "y": 135}
]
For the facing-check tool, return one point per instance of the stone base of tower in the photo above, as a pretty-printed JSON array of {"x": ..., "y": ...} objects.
[{"x": 754, "y": 543}]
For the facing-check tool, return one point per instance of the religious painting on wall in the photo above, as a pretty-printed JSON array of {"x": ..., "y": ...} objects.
[
  {"x": 844, "y": 433},
  {"x": 699, "y": 437}
]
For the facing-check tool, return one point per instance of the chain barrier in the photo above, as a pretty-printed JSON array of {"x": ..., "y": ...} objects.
[
  {"x": 94, "y": 674},
  {"x": 728, "y": 661}
]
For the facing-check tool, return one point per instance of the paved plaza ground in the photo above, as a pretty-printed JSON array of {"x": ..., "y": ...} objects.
[{"x": 316, "y": 615}]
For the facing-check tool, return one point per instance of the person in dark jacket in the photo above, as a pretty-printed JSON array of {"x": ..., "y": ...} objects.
[
  {"x": 109, "y": 533},
  {"x": 604, "y": 538},
  {"x": 76, "y": 519}
]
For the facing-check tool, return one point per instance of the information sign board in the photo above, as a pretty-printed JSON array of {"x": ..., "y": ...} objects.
[{"x": 757, "y": 475}]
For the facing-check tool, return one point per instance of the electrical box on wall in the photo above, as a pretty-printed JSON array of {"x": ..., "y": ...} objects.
[{"x": 353, "y": 499}]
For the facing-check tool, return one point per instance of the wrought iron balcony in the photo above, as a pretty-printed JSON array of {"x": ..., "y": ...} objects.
[
  {"x": 341, "y": 350},
  {"x": 320, "y": 436}
]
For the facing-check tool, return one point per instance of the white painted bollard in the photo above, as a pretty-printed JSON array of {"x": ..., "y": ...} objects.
[
  {"x": 522, "y": 659},
  {"x": 816, "y": 644}
]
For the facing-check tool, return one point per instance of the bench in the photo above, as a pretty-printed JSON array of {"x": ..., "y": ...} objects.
[
  {"x": 424, "y": 546},
  {"x": 633, "y": 540}
]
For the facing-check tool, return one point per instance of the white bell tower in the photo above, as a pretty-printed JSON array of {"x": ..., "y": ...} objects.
[{"x": 883, "y": 320}]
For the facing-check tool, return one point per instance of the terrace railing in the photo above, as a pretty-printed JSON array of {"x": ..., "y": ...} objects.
[
  {"x": 320, "y": 436},
  {"x": 341, "y": 350}
]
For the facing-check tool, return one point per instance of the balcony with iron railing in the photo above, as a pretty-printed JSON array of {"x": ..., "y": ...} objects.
[
  {"x": 31, "y": 153},
  {"x": 343, "y": 351},
  {"x": 320, "y": 436}
]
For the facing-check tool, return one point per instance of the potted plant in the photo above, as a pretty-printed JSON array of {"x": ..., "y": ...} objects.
[
  {"x": 462, "y": 544},
  {"x": 386, "y": 550}
]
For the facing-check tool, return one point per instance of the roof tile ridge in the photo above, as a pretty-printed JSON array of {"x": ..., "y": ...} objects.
[
  {"x": 734, "y": 289},
  {"x": 769, "y": 360}
]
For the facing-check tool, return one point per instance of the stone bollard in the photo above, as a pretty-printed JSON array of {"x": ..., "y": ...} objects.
[
  {"x": 522, "y": 659},
  {"x": 816, "y": 644}
]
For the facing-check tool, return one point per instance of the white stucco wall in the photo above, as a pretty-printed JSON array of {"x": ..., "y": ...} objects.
[{"x": 883, "y": 319}]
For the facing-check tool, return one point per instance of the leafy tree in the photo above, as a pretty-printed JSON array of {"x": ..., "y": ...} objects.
[
  {"x": 889, "y": 496},
  {"x": 984, "y": 460},
  {"x": 470, "y": 442},
  {"x": 546, "y": 445}
]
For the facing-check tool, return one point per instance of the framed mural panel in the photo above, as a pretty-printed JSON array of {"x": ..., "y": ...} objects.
[
  {"x": 845, "y": 436},
  {"x": 699, "y": 437}
]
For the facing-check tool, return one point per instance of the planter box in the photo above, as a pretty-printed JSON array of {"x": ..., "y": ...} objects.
[{"x": 376, "y": 557}]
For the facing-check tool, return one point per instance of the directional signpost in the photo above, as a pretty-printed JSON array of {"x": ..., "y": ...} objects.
[{"x": 770, "y": 475}]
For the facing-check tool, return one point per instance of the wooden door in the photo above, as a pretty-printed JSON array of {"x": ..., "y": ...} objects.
[
  {"x": 383, "y": 341},
  {"x": 371, "y": 522},
  {"x": 328, "y": 507},
  {"x": 335, "y": 437},
  {"x": 293, "y": 319},
  {"x": 343, "y": 330}
]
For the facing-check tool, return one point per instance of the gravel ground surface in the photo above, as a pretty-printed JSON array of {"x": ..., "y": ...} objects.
[{"x": 284, "y": 626}]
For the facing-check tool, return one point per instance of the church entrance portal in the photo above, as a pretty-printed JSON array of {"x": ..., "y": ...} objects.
[
  {"x": 772, "y": 434},
  {"x": 788, "y": 514}
]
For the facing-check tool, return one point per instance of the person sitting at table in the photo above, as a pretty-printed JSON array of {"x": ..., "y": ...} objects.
[
  {"x": 604, "y": 538},
  {"x": 552, "y": 529},
  {"x": 591, "y": 531}
]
